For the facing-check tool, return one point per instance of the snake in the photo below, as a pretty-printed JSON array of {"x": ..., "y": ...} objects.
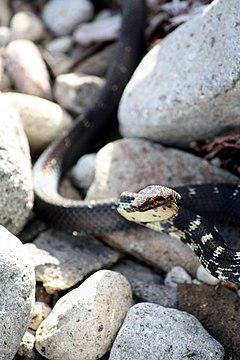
[{"x": 186, "y": 222}]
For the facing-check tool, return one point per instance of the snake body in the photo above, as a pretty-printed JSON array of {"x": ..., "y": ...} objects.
[{"x": 96, "y": 217}]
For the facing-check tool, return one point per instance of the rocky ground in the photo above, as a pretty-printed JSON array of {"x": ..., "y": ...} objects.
[{"x": 126, "y": 295}]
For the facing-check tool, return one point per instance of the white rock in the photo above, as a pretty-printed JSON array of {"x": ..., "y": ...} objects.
[
  {"x": 26, "y": 68},
  {"x": 5, "y": 35},
  {"x": 62, "y": 16},
  {"x": 82, "y": 174},
  {"x": 205, "y": 277},
  {"x": 187, "y": 87},
  {"x": 84, "y": 323},
  {"x": 43, "y": 120},
  {"x": 17, "y": 288},
  {"x": 16, "y": 188},
  {"x": 177, "y": 275},
  {"x": 26, "y": 25},
  {"x": 105, "y": 29},
  {"x": 40, "y": 312},
  {"x": 76, "y": 92},
  {"x": 59, "y": 45},
  {"x": 151, "y": 331}
]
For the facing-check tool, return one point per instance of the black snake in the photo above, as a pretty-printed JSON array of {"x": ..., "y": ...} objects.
[{"x": 101, "y": 216}]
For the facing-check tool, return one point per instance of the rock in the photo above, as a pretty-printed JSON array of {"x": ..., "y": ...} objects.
[
  {"x": 206, "y": 277},
  {"x": 187, "y": 87},
  {"x": 131, "y": 164},
  {"x": 74, "y": 12},
  {"x": 43, "y": 120},
  {"x": 26, "y": 25},
  {"x": 27, "y": 348},
  {"x": 151, "y": 331},
  {"x": 76, "y": 92},
  {"x": 5, "y": 82},
  {"x": 218, "y": 309},
  {"x": 15, "y": 171},
  {"x": 59, "y": 45},
  {"x": 92, "y": 314},
  {"x": 82, "y": 174},
  {"x": 105, "y": 29},
  {"x": 5, "y": 13},
  {"x": 177, "y": 275},
  {"x": 26, "y": 68},
  {"x": 40, "y": 312},
  {"x": 5, "y": 36},
  {"x": 97, "y": 64},
  {"x": 62, "y": 260},
  {"x": 17, "y": 293},
  {"x": 146, "y": 285}
]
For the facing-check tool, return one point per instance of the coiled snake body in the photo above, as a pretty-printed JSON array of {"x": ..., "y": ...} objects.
[{"x": 102, "y": 216}]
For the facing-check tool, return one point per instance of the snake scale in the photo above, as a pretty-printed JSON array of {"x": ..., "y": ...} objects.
[{"x": 96, "y": 217}]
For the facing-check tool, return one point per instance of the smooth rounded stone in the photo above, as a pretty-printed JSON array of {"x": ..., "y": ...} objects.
[
  {"x": 27, "y": 348},
  {"x": 16, "y": 195},
  {"x": 105, "y": 29},
  {"x": 5, "y": 36},
  {"x": 132, "y": 164},
  {"x": 151, "y": 331},
  {"x": 27, "y": 69},
  {"x": 62, "y": 260},
  {"x": 97, "y": 64},
  {"x": 92, "y": 314},
  {"x": 177, "y": 275},
  {"x": 82, "y": 174},
  {"x": 26, "y": 25},
  {"x": 187, "y": 87},
  {"x": 17, "y": 293},
  {"x": 217, "y": 307},
  {"x": 40, "y": 312},
  {"x": 59, "y": 45},
  {"x": 204, "y": 276},
  {"x": 62, "y": 17},
  {"x": 146, "y": 285},
  {"x": 42, "y": 119},
  {"x": 76, "y": 92}
]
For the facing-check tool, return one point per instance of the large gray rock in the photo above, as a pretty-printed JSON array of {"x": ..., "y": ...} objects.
[
  {"x": 151, "y": 332},
  {"x": 17, "y": 293},
  {"x": 187, "y": 87},
  {"x": 16, "y": 189},
  {"x": 84, "y": 323}
]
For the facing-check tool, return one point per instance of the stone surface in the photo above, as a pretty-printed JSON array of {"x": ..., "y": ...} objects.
[
  {"x": 97, "y": 64},
  {"x": 131, "y": 164},
  {"x": 177, "y": 275},
  {"x": 42, "y": 119},
  {"x": 62, "y": 260},
  {"x": 60, "y": 44},
  {"x": 187, "y": 87},
  {"x": 5, "y": 35},
  {"x": 16, "y": 189},
  {"x": 26, "y": 68},
  {"x": 40, "y": 312},
  {"x": 62, "y": 17},
  {"x": 82, "y": 174},
  {"x": 5, "y": 13},
  {"x": 218, "y": 309},
  {"x": 151, "y": 331},
  {"x": 146, "y": 285},
  {"x": 26, "y": 25},
  {"x": 105, "y": 29},
  {"x": 17, "y": 293},
  {"x": 92, "y": 314},
  {"x": 76, "y": 92}
]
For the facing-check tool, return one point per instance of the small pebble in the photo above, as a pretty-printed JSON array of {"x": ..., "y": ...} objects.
[
  {"x": 82, "y": 174},
  {"x": 40, "y": 312},
  {"x": 177, "y": 275},
  {"x": 26, "y": 25}
]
